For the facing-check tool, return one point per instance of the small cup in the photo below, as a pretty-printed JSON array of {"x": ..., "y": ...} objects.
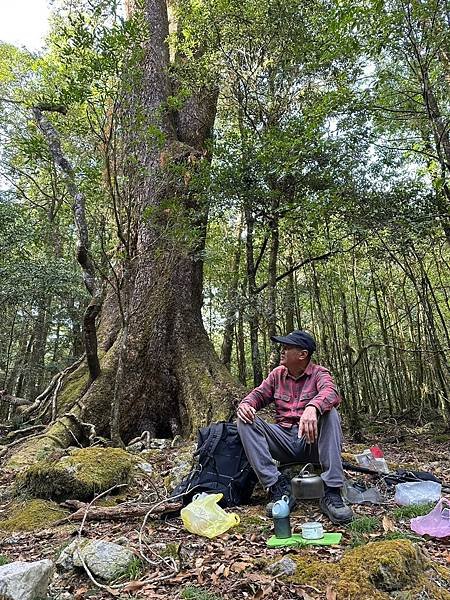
[{"x": 312, "y": 530}]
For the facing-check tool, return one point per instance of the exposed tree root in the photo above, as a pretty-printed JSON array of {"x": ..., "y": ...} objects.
[
  {"x": 49, "y": 395},
  {"x": 115, "y": 513}
]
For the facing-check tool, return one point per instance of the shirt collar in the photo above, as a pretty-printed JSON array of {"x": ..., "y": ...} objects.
[{"x": 307, "y": 372}]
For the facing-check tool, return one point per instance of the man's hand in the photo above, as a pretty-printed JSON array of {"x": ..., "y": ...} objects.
[
  {"x": 308, "y": 425},
  {"x": 246, "y": 412}
]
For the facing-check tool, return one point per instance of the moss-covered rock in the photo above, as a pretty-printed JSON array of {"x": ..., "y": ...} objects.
[
  {"x": 32, "y": 515},
  {"x": 182, "y": 465},
  {"x": 81, "y": 475},
  {"x": 374, "y": 571}
]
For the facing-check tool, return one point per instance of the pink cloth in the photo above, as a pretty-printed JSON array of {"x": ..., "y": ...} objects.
[
  {"x": 315, "y": 387},
  {"x": 436, "y": 523}
]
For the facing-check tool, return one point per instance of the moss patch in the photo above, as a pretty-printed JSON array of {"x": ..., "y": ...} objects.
[
  {"x": 73, "y": 388},
  {"x": 253, "y": 524},
  {"x": 80, "y": 475},
  {"x": 372, "y": 571},
  {"x": 32, "y": 515}
]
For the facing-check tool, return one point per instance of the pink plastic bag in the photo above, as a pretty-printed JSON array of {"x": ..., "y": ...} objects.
[{"x": 436, "y": 523}]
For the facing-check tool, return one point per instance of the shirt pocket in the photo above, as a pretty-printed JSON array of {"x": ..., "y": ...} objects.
[
  {"x": 282, "y": 398},
  {"x": 307, "y": 397}
]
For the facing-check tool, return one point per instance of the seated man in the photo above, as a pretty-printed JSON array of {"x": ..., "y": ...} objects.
[{"x": 308, "y": 427}]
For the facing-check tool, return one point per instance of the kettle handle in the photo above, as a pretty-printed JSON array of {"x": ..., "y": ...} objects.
[{"x": 305, "y": 471}]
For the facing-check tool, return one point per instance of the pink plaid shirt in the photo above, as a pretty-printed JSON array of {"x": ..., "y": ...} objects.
[{"x": 315, "y": 387}]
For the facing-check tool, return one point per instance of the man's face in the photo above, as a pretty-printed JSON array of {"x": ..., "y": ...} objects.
[{"x": 291, "y": 357}]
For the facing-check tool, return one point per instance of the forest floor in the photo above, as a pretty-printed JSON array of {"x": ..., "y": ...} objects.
[{"x": 234, "y": 564}]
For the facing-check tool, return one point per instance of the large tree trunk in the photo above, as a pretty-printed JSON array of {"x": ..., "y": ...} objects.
[
  {"x": 158, "y": 366},
  {"x": 171, "y": 379}
]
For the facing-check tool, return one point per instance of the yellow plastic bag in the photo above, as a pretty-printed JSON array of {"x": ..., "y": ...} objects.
[{"x": 204, "y": 517}]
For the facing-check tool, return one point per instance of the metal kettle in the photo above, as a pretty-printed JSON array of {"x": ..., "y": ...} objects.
[{"x": 307, "y": 485}]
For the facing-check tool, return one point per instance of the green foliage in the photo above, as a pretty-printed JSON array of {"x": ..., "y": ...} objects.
[
  {"x": 196, "y": 593},
  {"x": 322, "y": 136},
  {"x": 4, "y": 560},
  {"x": 415, "y": 510},
  {"x": 364, "y": 524},
  {"x": 134, "y": 570}
]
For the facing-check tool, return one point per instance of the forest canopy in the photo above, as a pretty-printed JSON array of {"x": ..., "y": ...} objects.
[{"x": 180, "y": 183}]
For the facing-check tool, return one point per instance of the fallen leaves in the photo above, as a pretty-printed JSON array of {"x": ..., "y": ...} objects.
[
  {"x": 80, "y": 592},
  {"x": 133, "y": 586},
  {"x": 388, "y": 524}
]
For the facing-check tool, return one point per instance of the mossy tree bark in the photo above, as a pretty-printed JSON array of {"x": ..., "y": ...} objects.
[
  {"x": 170, "y": 379},
  {"x": 158, "y": 367}
]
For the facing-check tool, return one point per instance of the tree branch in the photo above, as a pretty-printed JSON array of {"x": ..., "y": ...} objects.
[
  {"x": 307, "y": 261},
  {"x": 91, "y": 281}
]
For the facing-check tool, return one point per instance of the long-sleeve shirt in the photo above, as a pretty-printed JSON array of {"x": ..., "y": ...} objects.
[{"x": 315, "y": 387}]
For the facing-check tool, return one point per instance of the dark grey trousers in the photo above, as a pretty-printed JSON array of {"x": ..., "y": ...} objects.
[{"x": 265, "y": 443}]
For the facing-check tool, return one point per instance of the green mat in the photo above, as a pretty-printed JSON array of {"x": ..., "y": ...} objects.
[{"x": 329, "y": 539}]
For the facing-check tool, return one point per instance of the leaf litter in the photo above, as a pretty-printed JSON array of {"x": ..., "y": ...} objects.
[{"x": 232, "y": 565}]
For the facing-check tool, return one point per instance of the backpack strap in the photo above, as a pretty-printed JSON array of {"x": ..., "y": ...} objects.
[{"x": 208, "y": 448}]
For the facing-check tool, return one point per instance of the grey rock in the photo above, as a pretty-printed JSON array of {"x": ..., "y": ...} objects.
[
  {"x": 160, "y": 443},
  {"x": 104, "y": 559},
  {"x": 64, "y": 561},
  {"x": 285, "y": 566},
  {"x": 64, "y": 596},
  {"x": 136, "y": 448},
  {"x": 25, "y": 580},
  {"x": 146, "y": 467}
]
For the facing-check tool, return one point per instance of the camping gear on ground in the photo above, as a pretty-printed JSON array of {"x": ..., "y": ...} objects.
[
  {"x": 356, "y": 492},
  {"x": 402, "y": 476},
  {"x": 329, "y": 539},
  {"x": 436, "y": 523},
  {"x": 373, "y": 461},
  {"x": 417, "y": 492},
  {"x": 377, "y": 452},
  {"x": 204, "y": 516},
  {"x": 312, "y": 530},
  {"x": 307, "y": 485},
  {"x": 281, "y": 521},
  {"x": 399, "y": 476},
  {"x": 221, "y": 467}
]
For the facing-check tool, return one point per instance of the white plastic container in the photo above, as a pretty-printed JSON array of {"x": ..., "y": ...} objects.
[
  {"x": 417, "y": 492},
  {"x": 312, "y": 530}
]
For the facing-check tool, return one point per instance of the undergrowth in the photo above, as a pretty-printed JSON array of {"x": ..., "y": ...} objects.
[
  {"x": 364, "y": 525},
  {"x": 195, "y": 593},
  {"x": 415, "y": 510}
]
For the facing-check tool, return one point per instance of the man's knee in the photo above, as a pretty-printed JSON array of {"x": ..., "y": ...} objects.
[
  {"x": 330, "y": 418},
  {"x": 243, "y": 427}
]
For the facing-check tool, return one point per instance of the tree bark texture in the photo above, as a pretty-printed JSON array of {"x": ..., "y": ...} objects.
[{"x": 171, "y": 379}]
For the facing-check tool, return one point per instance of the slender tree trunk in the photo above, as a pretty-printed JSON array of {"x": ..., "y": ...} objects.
[
  {"x": 353, "y": 413},
  {"x": 272, "y": 284},
  {"x": 253, "y": 317},
  {"x": 240, "y": 350},
  {"x": 35, "y": 375},
  {"x": 230, "y": 321},
  {"x": 289, "y": 310}
]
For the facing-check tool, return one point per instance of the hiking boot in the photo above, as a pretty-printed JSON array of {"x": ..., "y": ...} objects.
[
  {"x": 282, "y": 487},
  {"x": 334, "y": 507}
]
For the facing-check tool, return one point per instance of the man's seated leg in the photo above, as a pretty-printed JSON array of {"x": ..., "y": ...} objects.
[
  {"x": 263, "y": 444},
  {"x": 329, "y": 450}
]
